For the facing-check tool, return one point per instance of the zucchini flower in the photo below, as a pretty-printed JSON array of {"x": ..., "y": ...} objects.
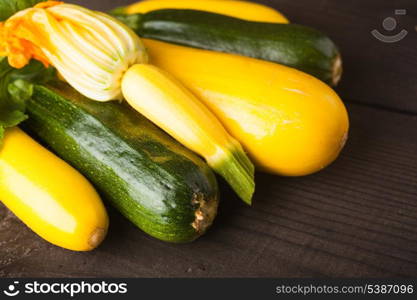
[
  {"x": 105, "y": 60},
  {"x": 91, "y": 50}
]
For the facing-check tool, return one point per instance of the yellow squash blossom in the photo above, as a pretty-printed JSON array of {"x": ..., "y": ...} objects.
[
  {"x": 105, "y": 60},
  {"x": 91, "y": 50}
]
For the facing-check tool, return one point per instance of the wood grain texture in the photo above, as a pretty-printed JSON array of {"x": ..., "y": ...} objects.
[{"x": 357, "y": 218}]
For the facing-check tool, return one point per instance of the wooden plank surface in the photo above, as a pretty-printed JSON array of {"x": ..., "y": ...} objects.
[{"x": 357, "y": 218}]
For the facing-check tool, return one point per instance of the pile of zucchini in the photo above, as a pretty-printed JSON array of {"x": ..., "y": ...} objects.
[{"x": 266, "y": 80}]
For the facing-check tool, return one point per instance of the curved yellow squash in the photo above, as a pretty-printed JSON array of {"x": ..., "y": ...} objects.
[
  {"x": 48, "y": 195},
  {"x": 289, "y": 122},
  {"x": 238, "y": 9}
]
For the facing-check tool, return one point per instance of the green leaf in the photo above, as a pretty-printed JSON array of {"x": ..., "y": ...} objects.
[
  {"x": 16, "y": 87},
  {"x": 10, "y": 7},
  {"x": 11, "y": 117}
]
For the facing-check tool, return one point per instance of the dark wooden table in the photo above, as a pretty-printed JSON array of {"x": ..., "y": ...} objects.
[{"x": 357, "y": 218}]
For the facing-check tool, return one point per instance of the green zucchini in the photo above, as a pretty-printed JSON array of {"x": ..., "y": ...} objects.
[
  {"x": 293, "y": 45},
  {"x": 160, "y": 186}
]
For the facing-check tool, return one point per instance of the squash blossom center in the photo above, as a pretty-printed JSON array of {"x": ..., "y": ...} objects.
[{"x": 90, "y": 50}]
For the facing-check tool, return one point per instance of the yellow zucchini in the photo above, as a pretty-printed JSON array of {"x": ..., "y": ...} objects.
[
  {"x": 289, "y": 122},
  {"x": 48, "y": 195},
  {"x": 239, "y": 9},
  {"x": 165, "y": 101}
]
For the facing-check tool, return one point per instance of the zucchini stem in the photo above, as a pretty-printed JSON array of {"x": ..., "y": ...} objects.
[{"x": 236, "y": 168}]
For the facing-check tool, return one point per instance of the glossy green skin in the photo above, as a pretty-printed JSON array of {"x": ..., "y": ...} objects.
[
  {"x": 293, "y": 45},
  {"x": 139, "y": 169}
]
